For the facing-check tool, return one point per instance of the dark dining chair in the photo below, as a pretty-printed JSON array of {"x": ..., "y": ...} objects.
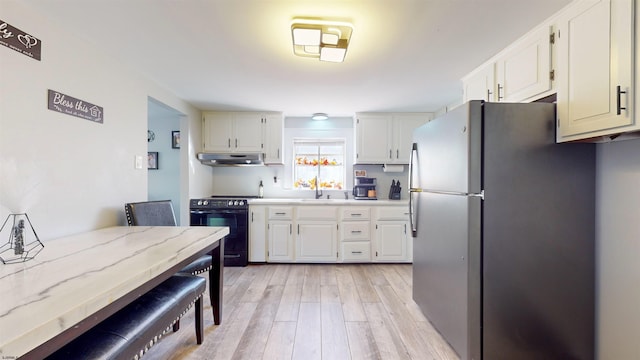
[{"x": 160, "y": 213}]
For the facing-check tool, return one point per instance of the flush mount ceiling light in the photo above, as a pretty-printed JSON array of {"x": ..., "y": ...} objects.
[
  {"x": 319, "y": 116},
  {"x": 322, "y": 39}
]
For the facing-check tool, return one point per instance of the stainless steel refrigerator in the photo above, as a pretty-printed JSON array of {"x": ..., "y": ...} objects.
[{"x": 503, "y": 225}]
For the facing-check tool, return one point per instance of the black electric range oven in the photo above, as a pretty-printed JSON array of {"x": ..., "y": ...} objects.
[{"x": 231, "y": 211}]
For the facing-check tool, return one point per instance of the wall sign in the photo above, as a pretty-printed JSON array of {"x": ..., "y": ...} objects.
[
  {"x": 75, "y": 107},
  {"x": 20, "y": 41}
]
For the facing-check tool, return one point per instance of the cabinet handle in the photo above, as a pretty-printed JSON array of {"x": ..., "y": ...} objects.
[
  {"x": 390, "y": 155},
  {"x": 405, "y": 228},
  {"x": 489, "y": 93},
  {"x": 356, "y": 231},
  {"x": 397, "y": 153},
  {"x": 500, "y": 87},
  {"x": 619, "y": 92},
  {"x": 252, "y": 216},
  {"x": 236, "y": 142},
  {"x": 280, "y": 213},
  {"x": 290, "y": 228},
  {"x": 356, "y": 214},
  {"x": 298, "y": 229},
  {"x": 229, "y": 142},
  {"x": 278, "y": 153},
  {"x": 356, "y": 252}
]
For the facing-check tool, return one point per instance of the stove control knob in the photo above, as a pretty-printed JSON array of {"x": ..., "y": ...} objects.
[
  {"x": 230, "y": 203},
  {"x": 199, "y": 202},
  {"x": 241, "y": 202},
  {"x": 205, "y": 203},
  {"x": 235, "y": 203}
]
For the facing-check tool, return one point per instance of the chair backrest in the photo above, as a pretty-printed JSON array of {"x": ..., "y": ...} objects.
[{"x": 150, "y": 213}]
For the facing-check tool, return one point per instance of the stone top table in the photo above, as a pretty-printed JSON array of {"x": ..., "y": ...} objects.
[{"x": 77, "y": 281}]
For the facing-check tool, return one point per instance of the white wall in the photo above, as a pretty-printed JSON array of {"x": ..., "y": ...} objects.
[
  {"x": 72, "y": 175},
  {"x": 618, "y": 250}
]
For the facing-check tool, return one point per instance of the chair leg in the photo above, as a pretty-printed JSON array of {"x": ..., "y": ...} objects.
[{"x": 199, "y": 322}]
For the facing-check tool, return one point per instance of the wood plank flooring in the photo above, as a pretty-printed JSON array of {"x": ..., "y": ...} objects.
[{"x": 311, "y": 312}]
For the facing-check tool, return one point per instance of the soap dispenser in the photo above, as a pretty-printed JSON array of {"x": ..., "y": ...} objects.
[{"x": 260, "y": 190}]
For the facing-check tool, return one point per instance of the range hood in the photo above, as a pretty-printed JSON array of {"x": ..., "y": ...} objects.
[{"x": 231, "y": 159}]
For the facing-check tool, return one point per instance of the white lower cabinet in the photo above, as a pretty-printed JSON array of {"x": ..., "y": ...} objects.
[
  {"x": 330, "y": 234},
  {"x": 355, "y": 234},
  {"x": 392, "y": 237},
  {"x": 356, "y": 251},
  {"x": 257, "y": 233},
  {"x": 281, "y": 245},
  {"x": 316, "y": 234},
  {"x": 280, "y": 234},
  {"x": 391, "y": 241},
  {"x": 316, "y": 241}
]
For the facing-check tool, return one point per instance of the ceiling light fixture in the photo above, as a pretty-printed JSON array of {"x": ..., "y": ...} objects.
[
  {"x": 322, "y": 39},
  {"x": 319, "y": 116}
]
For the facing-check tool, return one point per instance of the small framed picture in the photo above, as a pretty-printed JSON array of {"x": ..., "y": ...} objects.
[
  {"x": 360, "y": 173},
  {"x": 152, "y": 160},
  {"x": 175, "y": 139}
]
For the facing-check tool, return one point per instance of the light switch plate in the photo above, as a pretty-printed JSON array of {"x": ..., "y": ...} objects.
[{"x": 138, "y": 161}]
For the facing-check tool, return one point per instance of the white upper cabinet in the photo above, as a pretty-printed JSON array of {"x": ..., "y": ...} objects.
[
  {"x": 385, "y": 138},
  {"x": 524, "y": 70},
  {"x": 480, "y": 84},
  {"x": 595, "y": 70},
  {"x": 248, "y": 132},
  {"x": 273, "y": 139},
  {"x": 403, "y": 126},
  {"x": 232, "y": 132},
  {"x": 373, "y": 135}
]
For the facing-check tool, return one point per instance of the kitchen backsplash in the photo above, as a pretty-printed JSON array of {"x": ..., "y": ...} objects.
[{"x": 245, "y": 181}]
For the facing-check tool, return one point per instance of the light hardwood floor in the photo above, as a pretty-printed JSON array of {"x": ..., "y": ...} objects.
[{"x": 309, "y": 312}]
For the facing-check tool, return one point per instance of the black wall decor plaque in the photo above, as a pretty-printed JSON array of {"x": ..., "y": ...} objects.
[
  {"x": 75, "y": 107},
  {"x": 20, "y": 41}
]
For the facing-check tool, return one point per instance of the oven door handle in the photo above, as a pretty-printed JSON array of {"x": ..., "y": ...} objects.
[{"x": 213, "y": 212}]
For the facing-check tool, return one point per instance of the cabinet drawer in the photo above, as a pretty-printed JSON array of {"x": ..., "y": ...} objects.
[
  {"x": 355, "y": 230},
  {"x": 316, "y": 213},
  {"x": 356, "y": 251},
  {"x": 392, "y": 213},
  {"x": 355, "y": 213},
  {"x": 282, "y": 213}
]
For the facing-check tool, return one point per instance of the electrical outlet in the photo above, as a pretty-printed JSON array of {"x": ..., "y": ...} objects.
[{"x": 139, "y": 161}]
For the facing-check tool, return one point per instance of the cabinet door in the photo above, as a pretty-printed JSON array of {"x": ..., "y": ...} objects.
[
  {"x": 281, "y": 246},
  {"x": 317, "y": 241},
  {"x": 248, "y": 132},
  {"x": 274, "y": 125},
  {"x": 391, "y": 241},
  {"x": 403, "y": 126},
  {"x": 257, "y": 233},
  {"x": 480, "y": 84},
  {"x": 217, "y": 131},
  {"x": 373, "y": 138},
  {"x": 595, "y": 57},
  {"x": 524, "y": 70}
]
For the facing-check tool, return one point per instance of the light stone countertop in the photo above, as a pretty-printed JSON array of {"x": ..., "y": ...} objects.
[
  {"x": 335, "y": 202},
  {"x": 73, "y": 277}
]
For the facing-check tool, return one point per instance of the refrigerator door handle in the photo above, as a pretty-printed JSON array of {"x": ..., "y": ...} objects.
[
  {"x": 454, "y": 193},
  {"x": 412, "y": 214}
]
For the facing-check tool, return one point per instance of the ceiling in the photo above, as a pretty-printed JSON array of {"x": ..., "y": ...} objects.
[{"x": 237, "y": 54}]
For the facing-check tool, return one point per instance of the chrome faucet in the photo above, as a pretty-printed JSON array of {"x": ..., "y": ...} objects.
[{"x": 318, "y": 193}]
